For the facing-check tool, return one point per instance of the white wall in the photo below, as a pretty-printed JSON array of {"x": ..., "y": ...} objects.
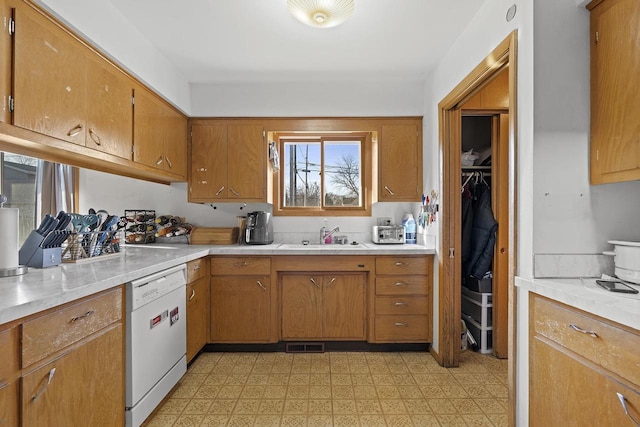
[{"x": 102, "y": 24}]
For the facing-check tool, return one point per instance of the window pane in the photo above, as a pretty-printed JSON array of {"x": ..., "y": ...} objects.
[
  {"x": 19, "y": 185},
  {"x": 342, "y": 177},
  {"x": 301, "y": 174}
]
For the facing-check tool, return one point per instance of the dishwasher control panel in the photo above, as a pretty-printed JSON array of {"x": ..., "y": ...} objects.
[{"x": 146, "y": 289}]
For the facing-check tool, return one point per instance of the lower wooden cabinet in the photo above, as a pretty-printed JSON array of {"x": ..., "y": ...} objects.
[
  {"x": 83, "y": 387},
  {"x": 581, "y": 369},
  {"x": 9, "y": 377},
  {"x": 323, "y": 306},
  {"x": 197, "y": 307}
]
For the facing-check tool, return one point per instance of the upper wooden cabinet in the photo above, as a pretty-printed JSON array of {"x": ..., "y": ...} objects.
[
  {"x": 64, "y": 91},
  {"x": 6, "y": 22},
  {"x": 160, "y": 134},
  {"x": 615, "y": 90},
  {"x": 228, "y": 161},
  {"x": 400, "y": 161}
]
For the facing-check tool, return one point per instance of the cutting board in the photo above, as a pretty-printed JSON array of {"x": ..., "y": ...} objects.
[{"x": 214, "y": 236}]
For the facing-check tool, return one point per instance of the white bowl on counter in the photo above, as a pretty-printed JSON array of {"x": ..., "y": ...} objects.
[{"x": 626, "y": 258}]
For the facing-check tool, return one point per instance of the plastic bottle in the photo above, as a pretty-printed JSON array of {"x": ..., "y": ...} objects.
[
  {"x": 409, "y": 225},
  {"x": 324, "y": 231}
]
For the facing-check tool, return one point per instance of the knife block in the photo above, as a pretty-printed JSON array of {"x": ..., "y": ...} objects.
[{"x": 32, "y": 255}]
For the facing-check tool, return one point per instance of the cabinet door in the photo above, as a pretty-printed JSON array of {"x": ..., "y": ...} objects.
[
  {"x": 197, "y": 316},
  {"x": 615, "y": 91},
  {"x": 343, "y": 306},
  {"x": 9, "y": 373},
  {"x": 83, "y": 387},
  {"x": 5, "y": 61},
  {"x": 567, "y": 390},
  {"x": 400, "y": 163},
  {"x": 9, "y": 404},
  {"x": 175, "y": 131},
  {"x": 49, "y": 78},
  {"x": 208, "y": 179},
  {"x": 240, "y": 309},
  {"x": 247, "y": 163},
  {"x": 301, "y": 306},
  {"x": 109, "y": 109}
]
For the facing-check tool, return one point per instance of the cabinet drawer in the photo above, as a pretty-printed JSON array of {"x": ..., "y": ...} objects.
[
  {"x": 401, "y": 285},
  {"x": 403, "y": 265},
  {"x": 402, "y": 328},
  {"x": 225, "y": 266},
  {"x": 197, "y": 269},
  {"x": 402, "y": 305},
  {"x": 9, "y": 346},
  {"x": 601, "y": 342},
  {"x": 47, "y": 334}
]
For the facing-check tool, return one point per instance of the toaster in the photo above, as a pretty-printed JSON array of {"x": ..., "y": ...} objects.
[{"x": 388, "y": 234}]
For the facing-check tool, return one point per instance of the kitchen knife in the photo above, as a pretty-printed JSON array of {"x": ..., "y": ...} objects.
[{"x": 43, "y": 225}]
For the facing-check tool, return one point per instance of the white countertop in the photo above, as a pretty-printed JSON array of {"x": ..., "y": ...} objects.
[
  {"x": 586, "y": 295},
  {"x": 41, "y": 289}
]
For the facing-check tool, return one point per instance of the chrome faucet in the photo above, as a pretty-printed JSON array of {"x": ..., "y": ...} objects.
[{"x": 329, "y": 234}]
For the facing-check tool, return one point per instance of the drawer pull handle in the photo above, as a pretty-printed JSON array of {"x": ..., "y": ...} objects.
[
  {"x": 82, "y": 316},
  {"x": 623, "y": 402},
  {"x": 402, "y": 304},
  {"x": 400, "y": 264},
  {"x": 3, "y": 384},
  {"x": 74, "y": 131},
  {"x": 402, "y": 324},
  {"x": 241, "y": 264},
  {"x": 193, "y": 294},
  {"x": 235, "y": 193},
  {"x": 95, "y": 137},
  {"x": 159, "y": 161},
  {"x": 312, "y": 280},
  {"x": 389, "y": 190},
  {"x": 579, "y": 329},
  {"x": 261, "y": 285},
  {"x": 196, "y": 268},
  {"x": 401, "y": 283},
  {"x": 168, "y": 162},
  {"x": 44, "y": 386},
  {"x": 331, "y": 282},
  {"x": 219, "y": 191}
]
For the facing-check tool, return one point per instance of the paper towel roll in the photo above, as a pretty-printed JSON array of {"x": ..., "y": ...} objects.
[{"x": 9, "y": 237}]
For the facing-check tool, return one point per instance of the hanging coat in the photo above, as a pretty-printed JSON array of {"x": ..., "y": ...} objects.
[{"x": 483, "y": 235}]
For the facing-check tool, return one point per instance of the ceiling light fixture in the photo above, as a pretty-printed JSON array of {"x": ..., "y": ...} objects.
[{"x": 321, "y": 13}]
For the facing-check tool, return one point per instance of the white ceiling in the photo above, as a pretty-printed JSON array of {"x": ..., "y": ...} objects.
[{"x": 216, "y": 41}]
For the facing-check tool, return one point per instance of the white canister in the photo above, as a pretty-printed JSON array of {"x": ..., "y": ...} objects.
[{"x": 9, "y": 223}]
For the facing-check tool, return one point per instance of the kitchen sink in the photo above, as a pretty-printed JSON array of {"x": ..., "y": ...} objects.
[{"x": 316, "y": 246}]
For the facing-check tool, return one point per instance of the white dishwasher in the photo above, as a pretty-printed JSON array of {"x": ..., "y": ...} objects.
[{"x": 156, "y": 340}]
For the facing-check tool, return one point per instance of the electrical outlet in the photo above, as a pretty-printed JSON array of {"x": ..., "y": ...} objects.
[{"x": 384, "y": 220}]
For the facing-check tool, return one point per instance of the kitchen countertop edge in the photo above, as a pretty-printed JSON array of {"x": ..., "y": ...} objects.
[{"x": 42, "y": 289}]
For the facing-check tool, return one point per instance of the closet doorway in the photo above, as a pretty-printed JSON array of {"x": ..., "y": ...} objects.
[{"x": 489, "y": 90}]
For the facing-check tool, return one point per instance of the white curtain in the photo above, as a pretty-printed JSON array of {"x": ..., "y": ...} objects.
[{"x": 54, "y": 189}]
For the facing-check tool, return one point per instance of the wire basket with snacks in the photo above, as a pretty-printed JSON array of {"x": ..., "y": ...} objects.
[{"x": 172, "y": 229}]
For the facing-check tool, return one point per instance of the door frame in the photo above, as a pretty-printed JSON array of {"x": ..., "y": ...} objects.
[{"x": 449, "y": 263}]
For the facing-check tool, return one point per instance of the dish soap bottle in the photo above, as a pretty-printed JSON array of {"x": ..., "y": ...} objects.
[
  {"x": 409, "y": 225},
  {"x": 324, "y": 232}
]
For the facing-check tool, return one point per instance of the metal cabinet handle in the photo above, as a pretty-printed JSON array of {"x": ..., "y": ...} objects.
[
  {"x": 201, "y": 169},
  {"x": 579, "y": 329},
  {"x": 193, "y": 294},
  {"x": 623, "y": 402},
  {"x": 389, "y": 190},
  {"x": 241, "y": 264},
  {"x": 95, "y": 137},
  {"x": 159, "y": 161},
  {"x": 400, "y": 264},
  {"x": 261, "y": 285},
  {"x": 402, "y": 324},
  {"x": 401, "y": 304},
  {"x": 75, "y": 130},
  {"x": 82, "y": 316},
  {"x": 196, "y": 268},
  {"x": 401, "y": 283},
  {"x": 168, "y": 162},
  {"x": 44, "y": 386},
  {"x": 331, "y": 282},
  {"x": 202, "y": 182},
  {"x": 3, "y": 384},
  {"x": 235, "y": 193},
  {"x": 314, "y": 282},
  {"x": 220, "y": 190}
]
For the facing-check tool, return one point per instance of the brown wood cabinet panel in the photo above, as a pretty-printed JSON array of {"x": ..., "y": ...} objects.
[
  {"x": 197, "y": 268},
  {"x": 52, "y": 332},
  {"x": 109, "y": 109},
  {"x": 401, "y": 305},
  {"x": 9, "y": 393},
  {"x": 301, "y": 306},
  {"x": 392, "y": 265},
  {"x": 5, "y": 61},
  {"x": 226, "y": 266},
  {"x": 400, "y": 162},
  {"x": 615, "y": 91},
  {"x": 597, "y": 340},
  {"x": 343, "y": 307},
  {"x": 247, "y": 162},
  {"x": 240, "y": 309},
  {"x": 9, "y": 373},
  {"x": 401, "y": 285},
  {"x": 83, "y": 387},
  {"x": 208, "y": 179},
  {"x": 494, "y": 95},
  {"x": 402, "y": 328},
  {"x": 564, "y": 389},
  {"x": 49, "y": 79},
  {"x": 197, "y": 315}
]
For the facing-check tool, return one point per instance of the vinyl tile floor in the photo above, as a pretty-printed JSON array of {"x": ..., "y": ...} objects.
[{"x": 337, "y": 389}]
